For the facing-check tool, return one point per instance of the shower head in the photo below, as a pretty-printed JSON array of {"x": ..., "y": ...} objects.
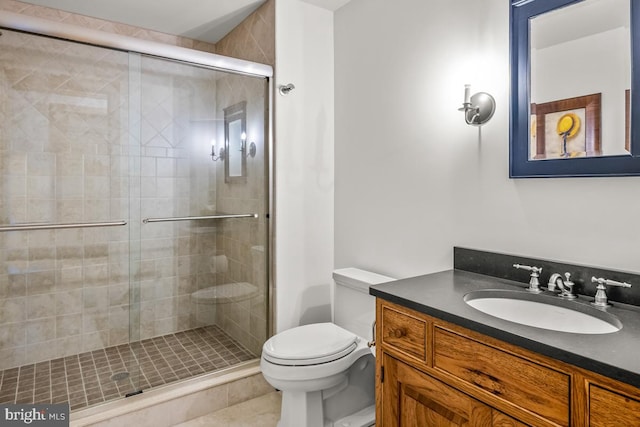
[{"x": 285, "y": 89}]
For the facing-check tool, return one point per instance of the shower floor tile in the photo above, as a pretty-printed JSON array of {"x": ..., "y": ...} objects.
[{"x": 98, "y": 376}]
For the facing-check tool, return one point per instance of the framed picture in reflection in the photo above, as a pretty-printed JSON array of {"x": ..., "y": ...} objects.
[{"x": 566, "y": 128}]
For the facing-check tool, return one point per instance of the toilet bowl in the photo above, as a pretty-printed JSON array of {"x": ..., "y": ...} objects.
[{"x": 326, "y": 371}]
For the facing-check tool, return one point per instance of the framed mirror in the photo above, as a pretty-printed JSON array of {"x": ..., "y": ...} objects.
[
  {"x": 575, "y": 95},
  {"x": 235, "y": 138}
]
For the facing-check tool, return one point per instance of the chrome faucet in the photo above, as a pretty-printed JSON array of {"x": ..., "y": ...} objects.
[{"x": 565, "y": 286}]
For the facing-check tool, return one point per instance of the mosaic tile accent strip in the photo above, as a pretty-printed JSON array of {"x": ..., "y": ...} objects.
[{"x": 98, "y": 376}]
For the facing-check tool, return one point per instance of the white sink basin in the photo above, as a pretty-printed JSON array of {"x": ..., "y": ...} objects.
[{"x": 543, "y": 311}]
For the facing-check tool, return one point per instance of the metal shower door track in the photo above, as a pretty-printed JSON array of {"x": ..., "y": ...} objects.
[{"x": 61, "y": 30}]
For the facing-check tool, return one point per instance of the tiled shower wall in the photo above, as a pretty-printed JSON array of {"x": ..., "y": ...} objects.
[{"x": 255, "y": 38}]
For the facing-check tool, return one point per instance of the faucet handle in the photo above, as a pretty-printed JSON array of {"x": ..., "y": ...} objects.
[
  {"x": 534, "y": 283},
  {"x": 533, "y": 270},
  {"x": 601, "y": 294},
  {"x": 601, "y": 281}
]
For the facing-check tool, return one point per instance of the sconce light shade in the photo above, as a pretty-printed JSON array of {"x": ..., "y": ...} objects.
[{"x": 478, "y": 109}]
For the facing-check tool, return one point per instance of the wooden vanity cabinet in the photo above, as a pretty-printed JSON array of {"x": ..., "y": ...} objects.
[{"x": 432, "y": 373}]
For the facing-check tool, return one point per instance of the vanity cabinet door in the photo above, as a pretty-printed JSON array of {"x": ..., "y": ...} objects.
[
  {"x": 611, "y": 409},
  {"x": 503, "y": 420},
  {"x": 412, "y": 398}
]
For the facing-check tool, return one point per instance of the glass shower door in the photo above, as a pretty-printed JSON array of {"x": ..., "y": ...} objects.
[
  {"x": 64, "y": 249},
  {"x": 202, "y": 275}
]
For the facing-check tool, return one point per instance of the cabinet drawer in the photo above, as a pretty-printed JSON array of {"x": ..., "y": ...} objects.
[
  {"x": 404, "y": 333},
  {"x": 526, "y": 384},
  {"x": 609, "y": 409}
]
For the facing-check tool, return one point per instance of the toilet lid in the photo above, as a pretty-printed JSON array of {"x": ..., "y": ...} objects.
[{"x": 309, "y": 345}]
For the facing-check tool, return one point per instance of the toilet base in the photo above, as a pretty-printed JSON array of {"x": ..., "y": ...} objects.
[
  {"x": 308, "y": 407},
  {"x": 344, "y": 399},
  {"x": 303, "y": 409},
  {"x": 364, "y": 418}
]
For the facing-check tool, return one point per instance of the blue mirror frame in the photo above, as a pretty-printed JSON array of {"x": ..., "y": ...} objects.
[{"x": 519, "y": 164}]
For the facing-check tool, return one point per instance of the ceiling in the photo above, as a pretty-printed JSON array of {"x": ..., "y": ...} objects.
[{"x": 201, "y": 20}]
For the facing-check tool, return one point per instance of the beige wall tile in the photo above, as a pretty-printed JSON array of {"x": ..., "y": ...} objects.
[
  {"x": 13, "y": 286},
  {"x": 68, "y": 325},
  {"x": 13, "y": 310},
  {"x": 41, "y": 282},
  {"x": 41, "y": 330},
  {"x": 40, "y": 351},
  {"x": 69, "y": 302},
  {"x": 39, "y": 306},
  {"x": 68, "y": 346}
]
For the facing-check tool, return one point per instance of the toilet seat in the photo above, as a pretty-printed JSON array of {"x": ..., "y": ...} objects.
[{"x": 310, "y": 345}]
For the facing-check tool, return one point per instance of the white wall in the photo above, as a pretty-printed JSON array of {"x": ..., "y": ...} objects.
[
  {"x": 412, "y": 180},
  {"x": 303, "y": 164}
]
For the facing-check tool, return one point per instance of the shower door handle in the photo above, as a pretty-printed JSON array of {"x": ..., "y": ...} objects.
[
  {"x": 198, "y": 218},
  {"x": 32, "y": 227}
]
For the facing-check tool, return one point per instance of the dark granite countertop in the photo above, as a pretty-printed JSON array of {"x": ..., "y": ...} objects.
[{"x": 615, "y": 355}]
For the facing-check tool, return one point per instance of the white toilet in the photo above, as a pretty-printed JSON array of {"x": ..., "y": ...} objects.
[{"x": 326, "y": 371}]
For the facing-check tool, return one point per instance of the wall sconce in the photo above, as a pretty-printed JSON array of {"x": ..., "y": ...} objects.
[
  {"x": 252, "y": 150},
  {"x": 220, "y": 155},
  {"x": 252, "y": 146},
  {"x": 479, "y": 108}
]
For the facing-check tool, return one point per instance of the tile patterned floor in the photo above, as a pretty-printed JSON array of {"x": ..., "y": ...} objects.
[{"x": 87, "y": 379}]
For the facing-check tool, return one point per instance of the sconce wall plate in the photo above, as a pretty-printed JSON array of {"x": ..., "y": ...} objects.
[
  {"x": 483, "y": 106},
  {"x": 251, "y": 152},
  {"x": 479, "y": 108}
]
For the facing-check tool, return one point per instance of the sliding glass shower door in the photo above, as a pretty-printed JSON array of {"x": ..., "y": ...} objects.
[
  {"x": 201, "y": 200},
  {"x": 64, "y": 249},
  {"x": 133, "y": 228}
]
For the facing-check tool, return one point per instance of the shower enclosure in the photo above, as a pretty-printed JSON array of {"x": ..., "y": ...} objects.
[{"x": 134, "y": 210}]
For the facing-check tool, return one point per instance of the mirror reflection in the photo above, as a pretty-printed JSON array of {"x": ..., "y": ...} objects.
[
  {"x": 235, "y": 148},
  {"x": 235, "y": 135},
  {"x": 580, "y": 64}
]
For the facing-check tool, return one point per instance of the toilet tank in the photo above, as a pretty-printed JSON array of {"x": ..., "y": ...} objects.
[{"x": 353, "y": 308}]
